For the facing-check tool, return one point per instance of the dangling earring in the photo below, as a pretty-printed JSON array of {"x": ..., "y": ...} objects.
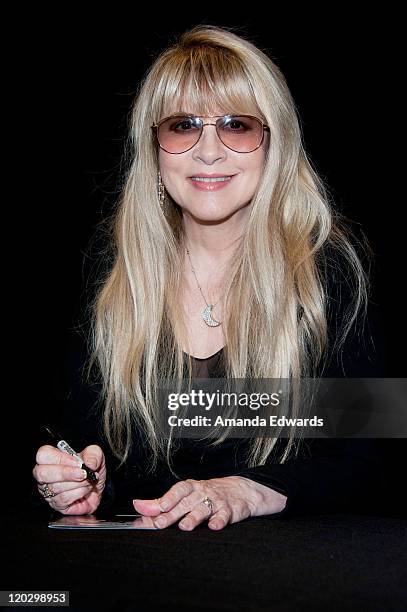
[{"x": 161, "y": 192}]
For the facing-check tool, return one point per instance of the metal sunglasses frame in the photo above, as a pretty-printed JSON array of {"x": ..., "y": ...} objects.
[{"x": 156, "y": 126}]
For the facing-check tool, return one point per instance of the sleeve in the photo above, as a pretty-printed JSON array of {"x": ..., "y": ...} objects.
[
  {"x": 342, "y": 474},
  {"x": 337, "y": 476},
  {"x": 77, "y": 416}
]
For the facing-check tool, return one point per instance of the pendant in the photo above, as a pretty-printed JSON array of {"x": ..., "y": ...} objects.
[{"x": 206, "y": 315}]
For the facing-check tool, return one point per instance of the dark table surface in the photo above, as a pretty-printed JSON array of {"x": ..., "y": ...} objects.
[{"x": 319, "y": 562}]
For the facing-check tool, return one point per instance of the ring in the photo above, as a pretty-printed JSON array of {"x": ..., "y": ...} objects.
[
  {"x": 48, "y": 492},
  {"x": 209, "y": 504}
]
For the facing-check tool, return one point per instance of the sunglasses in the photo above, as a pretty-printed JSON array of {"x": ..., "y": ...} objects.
[{"x": 240, "y": 133}]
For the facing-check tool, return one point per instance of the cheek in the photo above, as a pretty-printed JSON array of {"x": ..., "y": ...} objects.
[
  {"x": 255, "y": 172},
  {"x": 166, "y": 163},
  {"x": 174, "y": 180},
  {"x": 173, "y": 171}
]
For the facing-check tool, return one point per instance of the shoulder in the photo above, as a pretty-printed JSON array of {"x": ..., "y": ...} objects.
[{"x": 355, "y": 350}]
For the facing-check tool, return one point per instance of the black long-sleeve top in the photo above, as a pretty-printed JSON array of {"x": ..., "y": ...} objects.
[{"x": 328, "y": 475}]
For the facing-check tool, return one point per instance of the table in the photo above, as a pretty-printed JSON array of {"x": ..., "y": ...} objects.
[{"x": 320, "y": 562}]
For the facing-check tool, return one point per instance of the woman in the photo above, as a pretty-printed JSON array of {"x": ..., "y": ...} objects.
[{"x": 226, "y": 254}]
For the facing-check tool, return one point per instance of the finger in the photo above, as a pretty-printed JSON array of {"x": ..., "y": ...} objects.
[
  {"x": 50, "y": 455},
  {"x": 169, "y": 500},
  {"x": 58, "y": 473},
  {"x": 219, "y": 519},
  {"x": 85, "y": 505},
  {"x": 184, "y": 506},
  {"x": 93, "y": 457},
  {"x": 147, "y": 507},
  {"x": 60, "y": 487},
  {"x": 67, "y": 498},
  {"x": 197, "y": 515}
]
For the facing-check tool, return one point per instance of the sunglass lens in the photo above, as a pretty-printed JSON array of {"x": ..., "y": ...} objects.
[
  {"x": 240, "y": 133},
  {"x": 178, "y": 134}
]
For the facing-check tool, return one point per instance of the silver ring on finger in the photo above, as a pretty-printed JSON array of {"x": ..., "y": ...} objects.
[
  {"x": 48, "y": 492},
  {"x": 209, "y": 504}
]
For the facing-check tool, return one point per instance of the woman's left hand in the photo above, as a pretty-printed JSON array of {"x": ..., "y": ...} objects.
[{"x": 234, "y": 499}]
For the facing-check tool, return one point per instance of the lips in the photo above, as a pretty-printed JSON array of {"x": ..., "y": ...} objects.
[
  {"x": 210, "y": 175},
  {"x": 210, "y": 182},
  {"x": 212, "y": 179}
]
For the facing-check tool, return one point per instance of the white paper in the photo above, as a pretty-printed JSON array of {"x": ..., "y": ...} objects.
[{"x": 89, "y": 521}]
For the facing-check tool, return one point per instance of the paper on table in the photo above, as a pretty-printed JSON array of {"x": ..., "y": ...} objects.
[{"x": 89, "y": 521}]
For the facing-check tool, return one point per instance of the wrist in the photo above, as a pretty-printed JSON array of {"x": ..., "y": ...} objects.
[{"x": 265, "y": 500}]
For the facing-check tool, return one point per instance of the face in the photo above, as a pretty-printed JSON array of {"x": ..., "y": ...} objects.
[{"x": 212, "y": 201}]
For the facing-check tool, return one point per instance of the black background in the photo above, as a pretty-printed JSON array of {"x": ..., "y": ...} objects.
[{"x": 73, "y": 81}]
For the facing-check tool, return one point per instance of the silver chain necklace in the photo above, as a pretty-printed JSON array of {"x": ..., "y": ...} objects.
[{"x": 206, "y": 313}]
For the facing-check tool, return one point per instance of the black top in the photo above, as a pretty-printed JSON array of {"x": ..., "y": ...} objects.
[{"x": 328, "y": 475}]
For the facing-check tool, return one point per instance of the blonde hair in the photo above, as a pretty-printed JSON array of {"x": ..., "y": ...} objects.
[{"x": 275, "y": 322}]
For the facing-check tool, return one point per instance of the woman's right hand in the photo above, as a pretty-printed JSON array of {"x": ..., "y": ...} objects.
[{"x": 62, "y": 474}]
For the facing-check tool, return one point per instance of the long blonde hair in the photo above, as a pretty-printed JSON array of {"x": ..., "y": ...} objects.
[{"x": 275, "y": 298}]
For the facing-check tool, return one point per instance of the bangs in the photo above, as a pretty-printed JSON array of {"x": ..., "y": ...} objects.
[{"x": 204, "y": 80}]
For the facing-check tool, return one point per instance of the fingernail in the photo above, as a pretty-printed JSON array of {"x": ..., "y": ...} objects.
[
  {"x": 185, "y": 524},
  {"x": 81, "y": 474}
]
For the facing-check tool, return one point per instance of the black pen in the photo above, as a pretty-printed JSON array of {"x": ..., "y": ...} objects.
[{"x": 66, "y": 448}]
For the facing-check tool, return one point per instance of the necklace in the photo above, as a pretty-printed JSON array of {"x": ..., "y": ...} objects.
[{"x": 206, "y": 313}]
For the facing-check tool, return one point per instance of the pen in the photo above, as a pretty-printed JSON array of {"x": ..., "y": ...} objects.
[{"x": 66, "y": 448}]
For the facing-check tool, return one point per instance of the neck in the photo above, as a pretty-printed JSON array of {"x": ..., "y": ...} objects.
[
  {"x": 211, "y": 247},
  {"x": 212, "y": 244}
]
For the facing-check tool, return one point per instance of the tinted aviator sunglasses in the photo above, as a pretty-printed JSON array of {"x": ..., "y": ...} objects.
[{"x": 240, "y": 133}]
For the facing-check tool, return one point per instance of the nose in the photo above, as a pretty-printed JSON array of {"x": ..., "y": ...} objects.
[{"x": 209, "y": 147}]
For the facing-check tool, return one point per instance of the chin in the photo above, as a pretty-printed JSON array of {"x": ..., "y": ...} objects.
[{"x": 211, "y": 216}]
